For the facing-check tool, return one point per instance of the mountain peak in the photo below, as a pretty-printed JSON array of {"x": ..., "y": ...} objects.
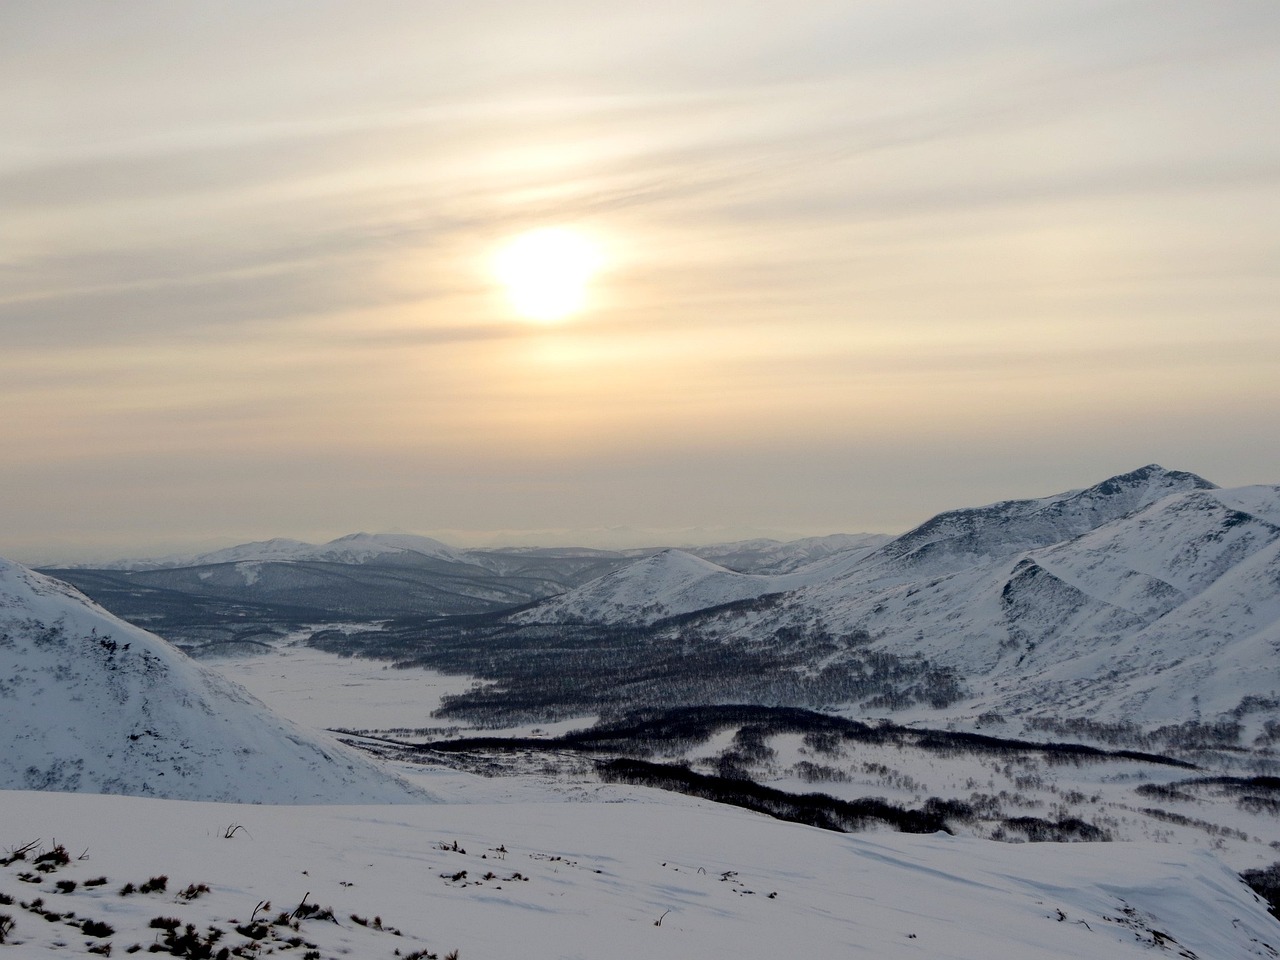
[
  {"x": 1153, "y": 475},
  {"x": 1011, "y": 526},
  {"x": 668, "y": 582}
]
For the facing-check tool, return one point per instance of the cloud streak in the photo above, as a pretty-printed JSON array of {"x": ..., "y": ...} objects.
[{"x": 255, "y": 240}]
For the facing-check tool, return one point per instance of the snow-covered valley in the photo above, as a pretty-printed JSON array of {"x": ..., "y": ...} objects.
[
  {"x": 1094, "y": 666},
  {"x": 599, "y": 865}
]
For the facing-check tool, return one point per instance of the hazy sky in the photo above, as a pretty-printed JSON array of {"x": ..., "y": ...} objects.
[{"x": 861, "y": 262}]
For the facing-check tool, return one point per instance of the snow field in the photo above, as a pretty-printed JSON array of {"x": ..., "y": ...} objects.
[{"x": 601, "y": 875}]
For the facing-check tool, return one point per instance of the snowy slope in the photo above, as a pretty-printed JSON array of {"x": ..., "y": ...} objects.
[
  {"x": 667, "y": 583},
  {"x": 1153, "y": 596},
  {"x": 1168, "y": 611},
  {"x": 676, "y": 582},
  {"x": 958, "y": 538},
  {"x": 89, "y": 703},
  {"x": 363, "y": 547},
  {"x": 776, "y": 556},
  {"x": 656, "y": 876},
  {"x": 1162, "y": 615}
]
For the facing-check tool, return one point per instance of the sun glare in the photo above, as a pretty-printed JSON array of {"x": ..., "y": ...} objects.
[{"x": 546, "y": 272}]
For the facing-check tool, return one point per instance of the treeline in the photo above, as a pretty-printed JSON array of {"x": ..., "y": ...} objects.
[
  {"x": 1191, "y": 735},
  {"x": 676, "y": 730},
  {"x": 1038, "y": 830},
  {"x": 547, "y": 672},
  {"x": 1265, "y": 882},
  {"x": 843, "y": 816},
  {"x": 1254, "y": 794},
  {"x": 814, "y": 809}
]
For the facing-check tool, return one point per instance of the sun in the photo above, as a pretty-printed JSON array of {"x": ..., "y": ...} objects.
[{"x": 546, "y": 272}]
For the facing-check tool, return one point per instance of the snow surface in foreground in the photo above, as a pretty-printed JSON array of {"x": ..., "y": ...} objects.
[{"x": 724, "y": 883}]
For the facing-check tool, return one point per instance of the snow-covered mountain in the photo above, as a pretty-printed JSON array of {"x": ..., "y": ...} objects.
[
  {"x": 674, "y": 582},
  {"x": 1165, "y": 613},
  {"x": 260, "y": 590},
  {"x": 1152, "y": 596},
  {"x": 746, "y": 556},
  {"x": 778, "y": 556},
  {"x": 213, "y": 603},
  {"x": 665, "y": 584},
  {"x": 958, "y": 538},
  {"x": 355, "y": 548},
  {"x": 89, "y": 703}
]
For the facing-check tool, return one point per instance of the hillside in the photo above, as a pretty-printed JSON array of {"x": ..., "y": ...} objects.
[
  {"x": 667, "y": 583},
  {"x": 958, "y": 538},
  {"x": 674, "y": 582},
  {"x": 232, "y": 601},
  {"x": 1164, "y": 614},
  {"x": 623, "y": 874},
  {"x": 775, "y": 556},
  {"x": 1151, "y": 597},
  {"x": 92, "y": 704},
  {"x": 235, "y": 600}
]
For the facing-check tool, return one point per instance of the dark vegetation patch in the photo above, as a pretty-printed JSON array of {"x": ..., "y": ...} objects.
[
  {"x": 173, "y": 935},
  {"x": 18, "y": 853},
  {"x": 1037, "y": 830},
  {"x": 97, "y": 928},
  {"x": 547, "y": 672},
  {"x": 145, "y": 598},
  {"x": 628, "y": 746},
  {"x": 844, "y": 816},
  {"x": 1188, "y": 736},
  {"x": 1259, "y": 795},
  {"x": 213, "y": 609},
  {"x": 645, "y": 733},
  {"x": 814, "y": 809},
  {"x": 1237, "y": 785},
  {"x": 1265, "y": 882},
  {"x": 55, "y": 857},
  {"x": 1212, "y": 829}
]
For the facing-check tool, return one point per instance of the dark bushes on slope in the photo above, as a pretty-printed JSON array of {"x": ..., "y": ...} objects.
[
  {"x": 648, "y": 731},
  {"x": 1036, "y": 830},
  {"x": 1265, "y": 882},
  {"x": 814, "y": 809}
]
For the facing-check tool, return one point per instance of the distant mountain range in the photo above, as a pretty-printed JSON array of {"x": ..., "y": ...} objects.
[
  {"x": 222, "y": 600},
  {"x": 747, "y": 556},
  {"x": 1152, "y": 596},
  {"x": 354, "y": 548}
]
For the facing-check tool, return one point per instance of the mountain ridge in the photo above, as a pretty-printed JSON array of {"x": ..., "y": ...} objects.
[{"x": 1137, "y": 597}]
